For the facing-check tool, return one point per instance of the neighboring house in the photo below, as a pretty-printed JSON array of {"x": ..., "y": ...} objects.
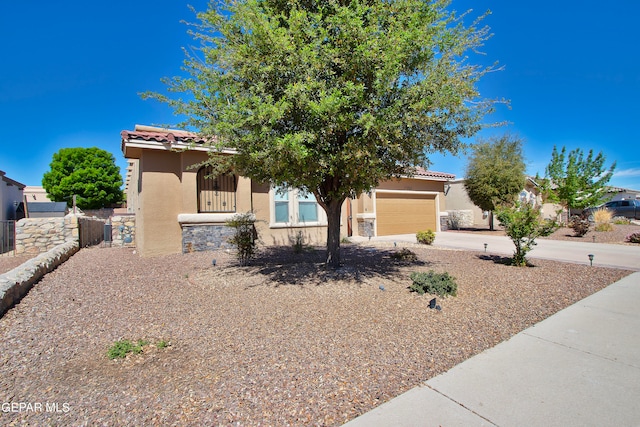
[
  {"x": 617, "y": 193},
  {"x": 179, "y": 210},
  {"x": 457, "y": 200},
  {"x": 34, "y": 193},
  {"x": 46, "y": 209},
  {"x": 10, "y": 197}
]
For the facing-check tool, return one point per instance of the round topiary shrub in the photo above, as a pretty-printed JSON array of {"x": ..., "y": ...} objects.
[
  {"x": 433, "y": 283},
  {"x": 425, "y": 237}
]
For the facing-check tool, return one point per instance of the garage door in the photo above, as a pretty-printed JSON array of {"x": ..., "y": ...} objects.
[{"x": 398, "y": 213}]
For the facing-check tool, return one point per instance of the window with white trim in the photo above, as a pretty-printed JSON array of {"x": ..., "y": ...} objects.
[{"x": 293, "y": 208}]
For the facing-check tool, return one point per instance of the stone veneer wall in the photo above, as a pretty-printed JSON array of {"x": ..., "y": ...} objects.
[
  {"x": 460, "y": 218},
  {"x": 17, "y": 282},
  {"x": 36, "y": 235},
  {"x": 129, "y": 224},
  {"x": 205, "y": 237}
]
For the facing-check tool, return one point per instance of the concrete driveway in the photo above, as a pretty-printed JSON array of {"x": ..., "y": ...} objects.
[{"x": 618, "y": 256}]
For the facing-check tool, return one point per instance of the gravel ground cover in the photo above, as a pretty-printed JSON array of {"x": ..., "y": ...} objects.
[
  {"x": 8, "y": 261},
  {"x": 281, "y": 342},
  {"x": 618, "y": 235}
]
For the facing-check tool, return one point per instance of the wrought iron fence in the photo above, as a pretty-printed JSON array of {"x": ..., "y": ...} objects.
[{"x": 7, "y": 236}]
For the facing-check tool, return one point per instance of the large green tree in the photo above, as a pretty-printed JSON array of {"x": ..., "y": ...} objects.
[
  {"x": 91, "y": 174},
  {"x": 495, "y": 173},
  {"x": 332, "y": 97},
  {"x": 576, "y": 181}
]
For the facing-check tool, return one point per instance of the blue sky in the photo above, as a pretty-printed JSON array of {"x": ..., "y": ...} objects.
[{"x": 72, "y": 72}]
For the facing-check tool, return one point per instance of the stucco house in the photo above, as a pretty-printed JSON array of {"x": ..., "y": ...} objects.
[
  {"x": 178, "y": 209},
  {"x": 460, "y": 206},
  {"x": 10, "y": 197},
  {"x": 36, "y": 193},
  {"x": 618, "y": 193}
]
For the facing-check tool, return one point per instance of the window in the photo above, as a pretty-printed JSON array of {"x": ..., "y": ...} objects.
[
  {"x": 307, "y": 208},
  {"x": 281, "y": 206},
  {"x": 291, "y": 207},
  {"x": 216, "y": 194}
]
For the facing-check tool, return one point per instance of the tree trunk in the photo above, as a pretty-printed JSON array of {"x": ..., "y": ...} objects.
[
  {"x": 333, "y": 210},
  {"x": 490, "y": 220}
]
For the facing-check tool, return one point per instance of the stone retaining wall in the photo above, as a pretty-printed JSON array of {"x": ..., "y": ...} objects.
[
  {"x": 36, "y": 235},
  {"x": 17, "y": 282}
]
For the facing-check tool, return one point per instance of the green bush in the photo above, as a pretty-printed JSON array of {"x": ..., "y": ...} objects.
[
  {"x": 620, "y": 220},
  {"x": 404, "y": 255},
  {"x": 605, "y": 226},
  {"x": 245, "y": 236},
  {"x": 433, "y": 283},
  {"x": 633, "y": 238},
  {"x": 425, "y": 237},
  {"x": 523, "y": 224},
  {"x": 580, "y": 225}
]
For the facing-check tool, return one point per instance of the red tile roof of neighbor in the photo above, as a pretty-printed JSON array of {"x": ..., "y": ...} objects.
[
  {"x": 150, "y": 133},
  {"x": 433, "y": 174},
  {"x": 162, "y": 135}
]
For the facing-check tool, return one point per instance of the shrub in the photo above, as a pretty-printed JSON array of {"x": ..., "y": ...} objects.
[
  {"x": 523, "y": 224},
  {"x": 404, "y": 255},
  {"x": 602, "y": 216},
  {"x": 298, "y": 243},
  {"x": 580, "y": 225},
  {"x": 425, "y": 237},
  {"x": 433, "y": 283},
  {"x": 245, "y": 236},
  {"x": 454, "y": 220},
  {"x": 605, "y": 226},
  {"x": 633, "y": 238},
  {"x": 620, "y": 220}
]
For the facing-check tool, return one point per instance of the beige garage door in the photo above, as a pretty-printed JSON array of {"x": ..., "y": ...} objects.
[{"x": 405, "y": 213}]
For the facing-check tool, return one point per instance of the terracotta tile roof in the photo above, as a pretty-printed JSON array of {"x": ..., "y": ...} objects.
[
  {"x": 433, "y": 174},
  {"x": 163, "y": 135}
]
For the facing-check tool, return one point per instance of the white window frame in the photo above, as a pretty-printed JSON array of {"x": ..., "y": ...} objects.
[{"x": 294, "y": 212}]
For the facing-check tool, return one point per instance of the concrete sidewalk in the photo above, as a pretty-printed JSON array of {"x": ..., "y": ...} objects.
[{"x": 579, "y": 367}]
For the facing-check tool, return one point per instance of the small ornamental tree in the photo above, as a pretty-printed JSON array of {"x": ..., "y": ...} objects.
[
  {"x": 523, "y": 224},
  {"x": 577, "y": 182},
  {"x": 495, "y": 173},
  {"x": 91, "y": 174},
  {"x": 332, "y": 97}
]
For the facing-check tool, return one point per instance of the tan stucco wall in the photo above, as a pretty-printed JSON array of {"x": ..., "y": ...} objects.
[
  {"x": 457, "y": 199},
  {"x": 160, "y": 202}
]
